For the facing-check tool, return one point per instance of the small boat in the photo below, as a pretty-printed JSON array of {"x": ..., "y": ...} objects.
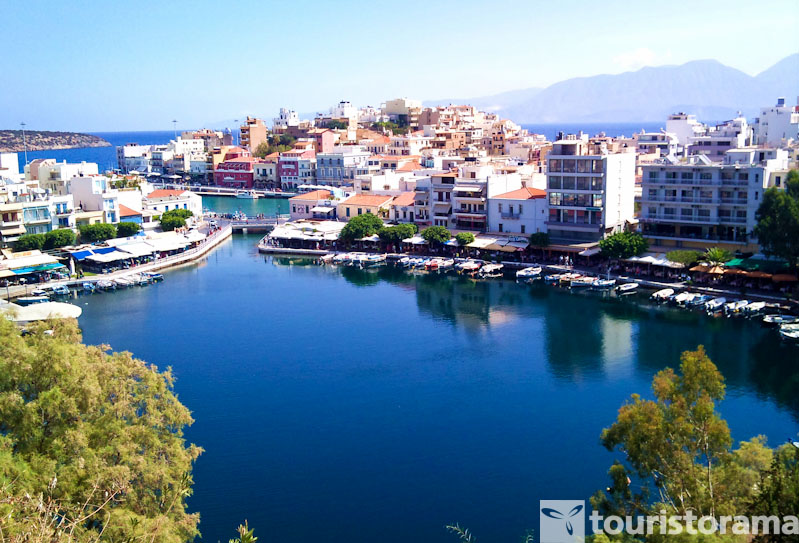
[
  {"x": 367, "y": 261},
  {"x": 247, "y": 194},
  {"x": 714, "y": 305},
  {"x": 699, "y": 300},
  {"x": 89, "y": 287},
  {"x": 789, "y": 332},
  {"x": 603, "y": 284},
  {"x": 418, "y": 262},
  {"x": 735, "y": 307},
  {"x": 529, "y": 274},
  {"x": 30, "y": 300},
  {"x": 60, "y": 290},
  {"x": 779, "y": 320},
  {"x": 327, "y": 259},
  {"x": 582, "y": 282},
  {"x": 342, "y": 258},
  {"x": 754, "y": 308},
  {"x": 627, "y": 288},
  {"x": 491, "y": 271},
  {"x": 469, "y": 267},
  {"x": 153, "y": 276},
  {"x": 683, "y": 298},
  {"x": 38, "y": 292},
  {"x": 552, "y": 279},
  {"x": 123, "y": 282},
  {"x": 445, "y": 264},
  {"x": 106, "y": 285},
  {"x": 404, "y": 262},
  {"x": 662, "y": 294},
  {"x": 432, "y": 264}
]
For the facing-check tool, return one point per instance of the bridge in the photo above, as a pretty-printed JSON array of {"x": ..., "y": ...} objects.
[
  {"x": 209, "y": 190},
  {"x": 266, "y": 224}
]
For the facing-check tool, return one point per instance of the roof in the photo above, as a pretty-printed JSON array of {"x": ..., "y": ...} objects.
[
  {"x": 404, "y": 199},
  {"x": 165, "y": 193},
  {"x": 125, "y": 211},
  {"x": 313, "y": 195},
  {"x": 367, "y": 200},
  {"x": 524, "y": 193},
  {"x": 410, "y": 167}
]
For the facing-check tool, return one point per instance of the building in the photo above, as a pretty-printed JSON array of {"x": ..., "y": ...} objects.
[
  {"x": 520, "y": 211},
  {"x": 93, "y": 193},
  {"x": 285, "y": 119},
  {"x": 695, "y": 203},
  {"x": 685, "y": 128},
  {"x": 657, "y": 143},
  {"x": 403, "y": 111},
  {"x": 341, "y": 165},
  {"x": 360, "y": 204},
  {"x": 162, "y": 200},
  {"x": 253, "y": 133},
  {"x": 236, "y": 172},
  {"x": 9, "y": 166},
  {"x": 11, "y": 224},
  {"x": 716, "y": 141},
  {"x": 590, "y": 191},
  {"x": 778, "y": 124},
  {"x": 295, "y": 168},
  {"x": 316, "y": 204},
  {"x": 54, "y": 176},
  {"x": 402, "y": 208}
]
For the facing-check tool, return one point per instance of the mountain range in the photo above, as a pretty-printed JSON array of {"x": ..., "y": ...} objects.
[{"x": 706, "y": 88}]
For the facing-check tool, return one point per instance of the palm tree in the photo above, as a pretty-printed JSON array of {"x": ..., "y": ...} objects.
[{"x": 716, "y": 256}]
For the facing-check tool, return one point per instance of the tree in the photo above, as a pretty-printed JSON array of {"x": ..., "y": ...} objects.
[
  {"x": 623, "y": 245},
  {"x": 335, "y": 124},
  {"x": 275, "y": 144},
  {"x": 777, "y": 227},
  {"x": 29, "y": 242},
  {"x": 171, "y": 222},
  {"x": 540, "y": 240},
  {"x": 716, "y": 256},
  {"x": 91, "y": 233},
  {"x": 436, "y": 235},
  {"x": 59, "y": 238},
  {"x": 127, "y": 229},
  {"x": 397, "y": 233},
  {"x": 464, "y": 238},
  {"x": 246, "y": 535},
  {"x": 684, "y": 257},
  {"x": 90, "y": 437},
  {"x": 182, "y": 213},
  {"x": 779, "y": 494},
  {"x": 361, "y": 226}
]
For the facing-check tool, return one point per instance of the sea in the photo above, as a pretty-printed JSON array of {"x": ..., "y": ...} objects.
[
  {"x": 361, "y": 406},
  {"x": 106, "y": 157}
]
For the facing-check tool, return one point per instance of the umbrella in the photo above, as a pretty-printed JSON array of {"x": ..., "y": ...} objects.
[
  {"x": 700, "y": 268},
  {"x": 759, "y": 275},
  {"x": 716, "y": 270},
  {"x": 784, "y": 278}
]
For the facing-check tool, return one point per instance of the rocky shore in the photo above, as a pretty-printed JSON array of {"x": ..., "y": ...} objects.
[{"x": 38, "y": 140}]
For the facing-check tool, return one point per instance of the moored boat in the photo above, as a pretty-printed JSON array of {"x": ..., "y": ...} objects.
[
  {"x": 582, "y": 282},
  {"x": 779, "y": 320},
  {"x": 735, "y": 307},
  {"x": 529, "y": 274},
  {"x": 89, "y": 287},
  {"x": 30, "y": 300},
  {"x": 60, "y": 290},
  {"x": 699, "y": 300},
  {"x": 627, "y": 288},
  {"x": 247, "y": 194},
  {"x": 662, "y": 294},
  {"x": 469, "y": 267},
  {"x": 491, "y": 271},
  {"x": 714, "y": 305},
  {"x": 754, "y": 308},
  {"x": 789, "y": 332},
  {"x": 603, "y": 284}
]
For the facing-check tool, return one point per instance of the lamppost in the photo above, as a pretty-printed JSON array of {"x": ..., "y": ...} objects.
[
  {"x": 24, "y": 141},
  {"x": 235, "y": 124},
  {"x": 175, "y": 127}
]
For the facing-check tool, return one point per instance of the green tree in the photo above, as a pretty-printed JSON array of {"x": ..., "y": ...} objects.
[
  {"x": 436, "y": 235},
  {"x": 29, "y": 242},
  {"x": 275, "y": 144},
  {"x": 684, "y": 257},
  {"x": 127, "y": 229},
  {"x": 777, "y": 227},
  {"x": 171, "y": 222},
  {"x": 246, "y": 535},
  {"x": 464, "y": 238},
  {"x": 90, "y": 437},
  {"x": 716, "y": 256},
  {"x": 182, "y": 213},
  {"x": 623, "y": 245},
  {"x": 779, "y": 489},
  {"x": 91, "y": 233},
  {"x": 540, "y": 240},
  {"x": 59, "y": 238},
  {"x": 335, "y": 124},
  {"x": 361, "y": 226},
  {"x": 397, "y": 233}
]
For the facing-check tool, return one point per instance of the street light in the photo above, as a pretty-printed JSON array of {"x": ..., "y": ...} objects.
[
  {"x": 24, "y": 141},
  {"x": 175, "y": 127}
]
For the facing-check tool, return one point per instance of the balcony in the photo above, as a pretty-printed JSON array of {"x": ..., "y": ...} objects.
[
  {"x": 509, "y": 215},
  {"x": 673, "y": 217},
  {"x": 734, "y": 201}
]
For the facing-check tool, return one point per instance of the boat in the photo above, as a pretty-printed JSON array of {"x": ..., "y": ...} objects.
[
  {"x": 582, "y": 282},
  {"x": 699, "y": 300},
  {"x": 432, "y": 264},
  {"x": 367, "y": 261},
  {"x": 683, "y": 298},
  {"x": 491, "y": 271},
  {"x": 153, "y": 276},
  {"x": 603, "y": 284},
  {"x": 552, "y": 278},
  {"x": 627, "y": 288},
  {"x": 341, "y": 258},
  {"x": 529, "y": 274},
  {"x": 754, "y": 308},
  {"x": 123, "y": 282},
  {"x": 418, "y": 262},
  {"x": 469, "y": 267},
  {"x": 789, "y": 332},
  {"x": 88, "y": 287},
  {"x": 327, "y": 259},
  {"x": 60, "y": 290},
  {"x": 30, "y": 300},
  {"x": 446, "y": 264},
  {"x": 734, "y": 307},
  {"x": 404, "y": 262},
  {"x": 38, "y": 292},
  {"x": 247, "y": 194},
  {"x": 106, "y": 285},
  {"x": 662, "y": 294},
  {"x": 779, "y": 320},
  {"x": 714, "y": 305}
]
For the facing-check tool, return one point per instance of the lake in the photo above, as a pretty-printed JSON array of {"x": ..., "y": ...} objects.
[{"x": 362, "y": 406}]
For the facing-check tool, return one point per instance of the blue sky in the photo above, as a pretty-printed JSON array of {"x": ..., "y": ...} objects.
[{"x": 94, "y": 66}]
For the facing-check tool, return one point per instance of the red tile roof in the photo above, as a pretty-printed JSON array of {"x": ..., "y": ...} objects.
[
  {"x": 125, "y": 211},
  {"x": 404, "y": 199},
  {"x": 524, "y": 193},
  {"x": 410, "y": 167},
  {"x": 313, "y": 195},
  {"x": 367, "y": 200},
  {"x": 164, "y": 193}
]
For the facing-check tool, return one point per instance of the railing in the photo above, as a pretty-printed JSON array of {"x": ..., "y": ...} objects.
[{"x": 508, "y": 215}]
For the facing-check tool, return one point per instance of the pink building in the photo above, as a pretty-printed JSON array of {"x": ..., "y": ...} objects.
[
  {"x": 235, "y": 172},
  {"x": 295, "y": 168}
]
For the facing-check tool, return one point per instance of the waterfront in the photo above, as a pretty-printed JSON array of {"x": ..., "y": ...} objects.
[
  {"x": 380, "y": 405},
  {"x": 251, "y": 208}
]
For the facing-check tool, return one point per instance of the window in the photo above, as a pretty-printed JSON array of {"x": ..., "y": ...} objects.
[
  {"x": 359, "y": 211},
  {"x": 687, "y": 175},
  {"x": 348, "y": 211},
  {"x": 653, "y": 174},
  {"x": 705, "y": 176},
  {"x": 520, "y": 209},
  {"x": 500, "y": 227},
  {"x": 555, "y": 182},
  {"x": 523, "y": 230},
  {"x": 499, "y": 207}
]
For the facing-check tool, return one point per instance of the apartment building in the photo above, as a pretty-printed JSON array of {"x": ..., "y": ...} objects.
[
  {"x": 93, "y": 193},
  {"x": 295, "y": 168},
  {"x": 716, "y": 141},
  {"x": 590, "y": 190},
  {"x": 11, "y": 224},
  {"x": 342, "y": 165},
  {"x": 253, "y": 133},
  {"x": 777, "y": 124},
  {"x": 696, "y": 203},
  {"x": 521, "y": 211},
  {"x": 54, "y": 176}
]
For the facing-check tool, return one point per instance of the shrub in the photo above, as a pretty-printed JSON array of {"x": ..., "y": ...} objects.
[
  {"x": 29, "y": 242},
  {"x": 59, "y": 238}
]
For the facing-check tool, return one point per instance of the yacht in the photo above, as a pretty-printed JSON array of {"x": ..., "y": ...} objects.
[{"x": 247, "y": 194}]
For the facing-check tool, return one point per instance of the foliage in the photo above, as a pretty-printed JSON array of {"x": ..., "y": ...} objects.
[
  {"x": 90, "y": 438},
  {"x": 245, "y": 534},
  {"x": 539, "y": 239},
  {"x": 174, "y": 218},
  {"x": 91, "y": 233},
  {"x": 463, "y": 533},
  {"x": 777, "y": 227},
  {"x": 29, "y": 242},
  {"x": 684, "y": 257},
  {"x": 716, "y": 256},
  {"x": 436, "y": 235},
  {"x": 275, "y": 144},
  {"x": 335, "y": 124},
  {"x": 59, "y": 238},
  {"x": 394, "y": 128},
  {"x": 182, "y": 213},
  {"x": 464, "y": 238},
  {"x": 361, "y": 226},
  {"x": 779, "y": 494},
  {"x": 623, "y": 245},
  {"x": 397, "y": 233},
  {"x": 127, "y": 229}
]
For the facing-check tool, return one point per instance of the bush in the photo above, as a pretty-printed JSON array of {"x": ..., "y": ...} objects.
[
  {"x": 539, "y": 239},
  {"x": 29, "y": 242},
  {"x": 361, "y": 226},
  {"x": 395, "y": 234},
  {"x": 59, "y": 238},
  {"x": 127, "y": 229},
  {"x": 684, "y": 257},
  {"x": 464, "y": 238},
  {"x": 182, "y": 213},
  {"x": 623, "y": 245},
  {"x": 436, "y": 235},
  {"x": 171, "y": 222},
  {"x": 91, "y": 233}
]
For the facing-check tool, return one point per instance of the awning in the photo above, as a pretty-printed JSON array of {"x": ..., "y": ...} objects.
[
  {"x": 784, "y": 278},
  {"x": 29, "y": 261},
  {"x": 36, "y": 269},
  {"x": 322, "y": 209},
  {"x": 194, "y": 236},
  {"x": 172, "y": 243},
  {"x": 590, "y": 252},
  {"x": 136, "y": 250},
  {"x": 467, "y": 189},
  {"x": 12, "y": 230},
  {"x": 481, "y": 242},
  {"x": 81, "y": 255},
  {"x": 373, "y": 238},
  {"x": 452, "y": 243},
  {"x": 415, "y": 240},
  {"x": 108, "y": 257}
]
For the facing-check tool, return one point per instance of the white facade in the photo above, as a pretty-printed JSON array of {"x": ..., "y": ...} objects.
[
  {"x": 159, "y": 201},
  {"x": 685, "y": 127},
  {"x": 92, "y": 193},
  {"x": 9, "y": 166},
  {"x": 286, "y": 118},
  {"x": 522, "y": 211},
  {"x": 777, "y": 124},
  {"x": 54, "y": 176},
  {"x": 342, "y": 165}
]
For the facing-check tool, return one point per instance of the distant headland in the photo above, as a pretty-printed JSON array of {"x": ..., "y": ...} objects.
[{"x": 42, "y": 140}]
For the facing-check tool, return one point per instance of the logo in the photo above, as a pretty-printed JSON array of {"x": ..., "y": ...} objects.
[{"x": 562, "y": 521}]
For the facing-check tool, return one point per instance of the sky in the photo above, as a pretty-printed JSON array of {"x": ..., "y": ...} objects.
[{"x": 137, "y": 65}]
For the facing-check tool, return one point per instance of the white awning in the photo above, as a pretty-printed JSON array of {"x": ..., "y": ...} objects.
[
  {"x": 193, "y": 236},
  {"x": 28, "y": 261},
  {"x": 415, "y": 240},
  {"x": 481, "y": 242},
  {"x": 172, "y": 243},
  {"x": 112, "y": 256},
  {"x": 322, "y": 209},
  {"x": 373, "y": 237},
  {"x": 590, "y": 252},
  {"x": 136, "y": 249}
]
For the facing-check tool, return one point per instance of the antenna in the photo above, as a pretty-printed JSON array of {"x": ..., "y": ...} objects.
[{"x": 24, "y": 142}]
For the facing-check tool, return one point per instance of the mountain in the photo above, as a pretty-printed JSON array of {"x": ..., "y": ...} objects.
[
  {"x": 706, "y": 88},
  {"x": 495, "y": 102}
]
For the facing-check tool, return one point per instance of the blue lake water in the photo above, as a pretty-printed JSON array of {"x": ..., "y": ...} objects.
[{"x": 357, "y": 406}]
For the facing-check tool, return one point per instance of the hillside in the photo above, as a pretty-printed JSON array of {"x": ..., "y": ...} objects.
[
  {"x": 705, "y": 88},
  {"x": 38, "y": 140}
]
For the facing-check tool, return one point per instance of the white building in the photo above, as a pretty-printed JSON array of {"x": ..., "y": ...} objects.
[
  {"x": 134, "y": 157},
  {"x": 286, "y": 118},
  {"x": 54, "y": 176},
  {"x": 685, "y": 127},
  {"x": 716, "y": 141},
  {"x": 161, "y": 200},
  {"x": 777, "y": 124},
  {"x": 93, "y": 193},
  {"x": 591, "y": 192},
  {"x": 9, "y": 166},
  {"x": 341, "y": 165},
  {"x": 521, "y": 211}
]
